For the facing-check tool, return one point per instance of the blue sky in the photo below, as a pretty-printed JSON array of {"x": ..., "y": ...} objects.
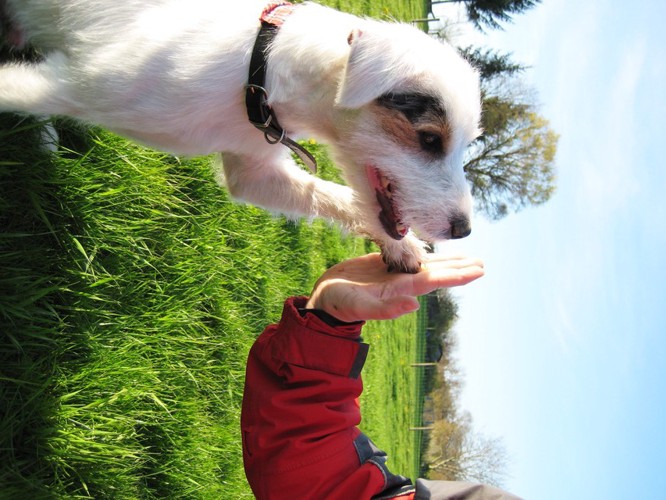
[{"x": 563, "y": 342}]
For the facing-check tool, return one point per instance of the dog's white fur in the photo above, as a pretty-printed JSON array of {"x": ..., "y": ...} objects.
[{"x": 171, "y": 74}]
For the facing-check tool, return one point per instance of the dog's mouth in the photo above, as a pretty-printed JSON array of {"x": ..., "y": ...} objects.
[{"x": 389, "y": 215}]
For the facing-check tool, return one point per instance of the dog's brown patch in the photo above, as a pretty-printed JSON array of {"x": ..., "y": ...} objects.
[{"x": 397, "y": 126}]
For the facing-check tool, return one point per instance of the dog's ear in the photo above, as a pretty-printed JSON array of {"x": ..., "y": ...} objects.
[{"x": 377, "y": 63}]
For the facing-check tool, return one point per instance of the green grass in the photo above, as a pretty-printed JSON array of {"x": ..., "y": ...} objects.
[
  {"x": 392, "y": 397},
  {"x": 131, "y": 288},
  {"x": 403, "y": 10}
]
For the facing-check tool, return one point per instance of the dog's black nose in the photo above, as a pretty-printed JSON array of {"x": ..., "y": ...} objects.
[{"x": 460, "y": 228}]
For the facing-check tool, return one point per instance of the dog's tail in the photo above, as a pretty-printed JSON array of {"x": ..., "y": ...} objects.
[{"x": 36, "y": 89}]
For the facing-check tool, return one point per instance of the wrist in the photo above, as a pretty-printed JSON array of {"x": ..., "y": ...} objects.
[{"x": 326, "y": 317}]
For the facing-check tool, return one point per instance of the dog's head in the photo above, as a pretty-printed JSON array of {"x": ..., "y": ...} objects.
[{"x": 411, "y": 106}]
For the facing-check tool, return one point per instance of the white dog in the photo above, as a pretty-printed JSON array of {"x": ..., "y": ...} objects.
[{"x": 397, "y": 107}]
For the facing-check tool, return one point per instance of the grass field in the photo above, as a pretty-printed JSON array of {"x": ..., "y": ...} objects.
[
  {"x": 404, "y": 10},
  {"x": 131, "y": 288}
]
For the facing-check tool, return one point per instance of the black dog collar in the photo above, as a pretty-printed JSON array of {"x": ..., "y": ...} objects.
[{"x": 260, "y": 114}]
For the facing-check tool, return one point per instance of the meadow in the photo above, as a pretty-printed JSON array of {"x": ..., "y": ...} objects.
[{"x": 131, "y": 288}]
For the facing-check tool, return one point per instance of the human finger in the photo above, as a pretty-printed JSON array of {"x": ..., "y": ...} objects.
[
  {"x": 443, "y": 276},
  {"x": 453, "y": 261}
]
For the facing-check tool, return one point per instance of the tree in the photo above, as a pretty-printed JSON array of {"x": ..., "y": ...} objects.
[
  {"x": 454, "y": 451},
  {"x": 442, "y": 310},
  {"x": 457, "y": 453},
  {"x": 491, "y": 64},
  {"x": 491, "y": 12},
  {"x": 512, "y": 164},
  {"x": 444, "y": 453}
]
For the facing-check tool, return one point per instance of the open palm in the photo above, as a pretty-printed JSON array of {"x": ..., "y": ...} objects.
[{"x": 362, "y": 288}]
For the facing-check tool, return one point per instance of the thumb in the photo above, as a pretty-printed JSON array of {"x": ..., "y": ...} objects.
[{"x": 403, "y": 305}]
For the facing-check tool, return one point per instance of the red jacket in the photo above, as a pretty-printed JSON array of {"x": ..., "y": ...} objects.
[{"x": 300, "y": 416}]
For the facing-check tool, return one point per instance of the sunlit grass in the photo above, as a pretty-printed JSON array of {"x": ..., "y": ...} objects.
[{"x": 132, "y": 289}]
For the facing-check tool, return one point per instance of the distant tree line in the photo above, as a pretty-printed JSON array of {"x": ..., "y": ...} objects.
[{"x": 454, "y": 450}]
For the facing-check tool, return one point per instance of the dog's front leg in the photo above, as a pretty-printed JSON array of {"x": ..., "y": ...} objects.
[{"x": 279, "y": 185}]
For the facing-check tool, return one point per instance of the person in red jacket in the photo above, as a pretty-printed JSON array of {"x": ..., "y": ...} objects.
[{"x": 300, "y": 412}]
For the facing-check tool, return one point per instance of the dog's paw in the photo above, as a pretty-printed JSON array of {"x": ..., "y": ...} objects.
[{"x": 404, "y": 256}]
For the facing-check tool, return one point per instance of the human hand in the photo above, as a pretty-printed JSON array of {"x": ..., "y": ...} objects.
[{"x": 362, "y": 288}]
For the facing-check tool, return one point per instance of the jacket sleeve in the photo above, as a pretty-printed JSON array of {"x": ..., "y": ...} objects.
[{"x": 300, "y": 411}]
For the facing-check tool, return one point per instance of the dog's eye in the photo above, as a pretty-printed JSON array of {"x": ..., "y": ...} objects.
[{"x": 431, "y": 142}]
